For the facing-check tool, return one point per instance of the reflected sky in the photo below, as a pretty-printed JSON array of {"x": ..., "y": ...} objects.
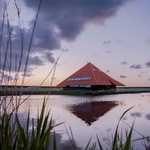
[{"x": 89, "y": 116}]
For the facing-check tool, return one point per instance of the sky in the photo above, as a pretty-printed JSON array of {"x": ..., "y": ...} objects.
[{"x": 113, "y": 35}]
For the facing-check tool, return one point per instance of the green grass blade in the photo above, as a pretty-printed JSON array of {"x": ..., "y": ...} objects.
[
  {"x": 128, "y": 141},
  {"x": 44, "y": 125},
  {"x": 22, "y": 137},
  {"x": 54, "y": 142},
  {"x": 27, "y": 122}
]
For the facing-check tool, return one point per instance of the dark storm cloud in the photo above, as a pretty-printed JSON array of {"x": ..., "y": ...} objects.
[
  {"x": 37, "y": 47},
  {"x": 71, "y": 16},
  {"x": 123, "y": 76},
  {"x": 147, "y": 64},
  {"x": 138, "y": 66},
  {"x": 45, "y": 37},
  {"x": 124, "y": 63},
  {"x": 35, "y": 60},
  {"x": 49, "y": 57}
]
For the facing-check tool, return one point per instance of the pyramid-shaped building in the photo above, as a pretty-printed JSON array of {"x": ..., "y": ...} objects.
[{"x": 89, "y": 77}]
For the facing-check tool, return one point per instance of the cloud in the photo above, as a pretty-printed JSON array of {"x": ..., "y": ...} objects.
[
  {"x": 149, "y": 79},
  {"x": 123, "y": 76},
  {"x": 138, "y": 66},
  {"x": 45, "y": 38},
  {"x": 118, "y": 41},
  {"x": 36, "y": 61},
  {"x": 70, "y": 17},
  {"x": 28, "y": 73},
  {"x": 106, "y": 42},
  {"x": 49, "y": 57},
  {"x": 148, "y": 40},
  {"x": 147, "y": 116},
  {"x": 124, "y": 63},
  {"x": 147, "y": 64},
  {"x": 5, "y": 77},
  {"x": 143, "y": 72},
  {"x": 107, "y": 71},
  {"x": 58, "y": 20},
  {"x": 108, "y": 51}
]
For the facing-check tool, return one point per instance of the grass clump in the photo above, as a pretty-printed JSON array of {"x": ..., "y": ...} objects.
[
  {"x": 122, "y": 141},
  {"x": 118, "y": 142},
  {"x": 34, "y": 134}
]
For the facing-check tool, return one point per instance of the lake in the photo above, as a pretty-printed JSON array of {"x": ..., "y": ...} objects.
[{"x": 91, "y": 116}]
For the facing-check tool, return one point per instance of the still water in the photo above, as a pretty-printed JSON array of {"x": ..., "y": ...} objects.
[{"x": 91, "y": 116}]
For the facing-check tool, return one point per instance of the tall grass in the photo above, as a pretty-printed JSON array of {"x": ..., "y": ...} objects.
[{"x": 14, "y": 135}]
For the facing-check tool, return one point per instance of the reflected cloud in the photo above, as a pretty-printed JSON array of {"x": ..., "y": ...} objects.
[
  {"x": 147, "y": 116},
  {"x": 125, "y": 118},
  {"x": 109, "y": 130},
  {"x": 136, "y": 114},
  {"x": 106, "y": 139},
  {"x": 91, "y": 111},
  {"x": 62, "y": 144}
]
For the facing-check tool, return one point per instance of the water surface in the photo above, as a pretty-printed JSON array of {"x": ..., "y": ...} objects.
[{"x": 88, "y": 116}]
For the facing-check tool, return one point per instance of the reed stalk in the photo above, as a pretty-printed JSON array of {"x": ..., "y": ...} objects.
[{"x": 13, "y": 134}]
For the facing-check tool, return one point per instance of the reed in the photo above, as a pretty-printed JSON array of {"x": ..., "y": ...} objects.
[{"x": 35, "y": 133}]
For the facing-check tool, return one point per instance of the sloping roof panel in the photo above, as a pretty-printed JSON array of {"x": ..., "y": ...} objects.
[{"x": 89, "y": 75}]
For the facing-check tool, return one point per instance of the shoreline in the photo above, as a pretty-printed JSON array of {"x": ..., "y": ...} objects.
[
  {"x": 70, "y": 92},
  {"x": 35, "y": 90}
]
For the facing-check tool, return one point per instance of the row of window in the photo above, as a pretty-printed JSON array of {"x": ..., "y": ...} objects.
[
  {"x": 81, "y": 86},
  {"x": 79, "y": 79}
]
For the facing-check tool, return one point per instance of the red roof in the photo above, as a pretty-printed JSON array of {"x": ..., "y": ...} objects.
[{"x": 89, "y": 75}]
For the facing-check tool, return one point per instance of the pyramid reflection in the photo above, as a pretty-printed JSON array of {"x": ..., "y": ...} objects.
[{"x": 92, "y": 111}]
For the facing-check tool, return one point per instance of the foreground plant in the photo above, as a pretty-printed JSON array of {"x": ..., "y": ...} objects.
[
  {"x": 35, "y": 134},
  {"x": 14, "y": 135},
  {"x": 118, "y": 142},
  {"x": 122, "y": 141}
]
